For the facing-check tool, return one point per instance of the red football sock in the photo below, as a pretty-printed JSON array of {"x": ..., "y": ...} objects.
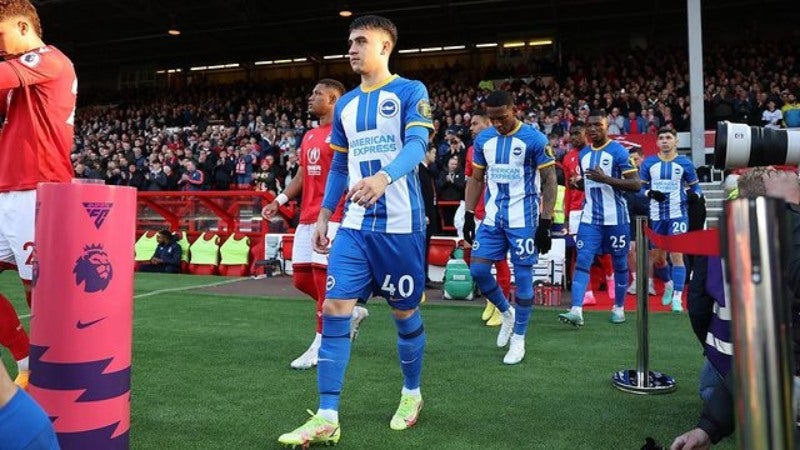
[
  {"x": 503, "y": 276},
  {"x": 321, "y": 280},
  {"x": 12, "y": 335},
  {"x": 304, "y": 279}
]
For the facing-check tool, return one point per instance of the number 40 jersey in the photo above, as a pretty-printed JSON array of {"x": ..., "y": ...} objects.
[{"x": 370, "y": 125}]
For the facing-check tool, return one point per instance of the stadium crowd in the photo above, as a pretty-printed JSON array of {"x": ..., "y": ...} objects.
[{"x": 246, "y": 136}]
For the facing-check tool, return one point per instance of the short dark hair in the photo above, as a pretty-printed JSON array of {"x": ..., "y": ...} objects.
[
  {"x": 333, "y": 84},
  {"x": 372, "y": 22},
  {"x": 667, "y": 129},
  {"x": 499, "y": 98},
  {"x": 166, "y": 233},
  {"x": 598, "y": 113},
  {"x": 479, "y": 112},
  {"x": 636, "y": 149}
]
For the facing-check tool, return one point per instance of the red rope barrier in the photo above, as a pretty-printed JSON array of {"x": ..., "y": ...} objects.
[{"x": 700, "y": 242}]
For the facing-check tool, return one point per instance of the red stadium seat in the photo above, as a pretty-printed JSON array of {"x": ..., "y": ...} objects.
[
  {"x": 440, "y": 251},
  {"x": 287, "y": 244}
]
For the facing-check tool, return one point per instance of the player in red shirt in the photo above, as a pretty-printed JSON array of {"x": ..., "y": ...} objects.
[
  {"x": 38, "y": 89},
  {"x": 309, "y": 268},
  {"x": 491, "y": 315}
]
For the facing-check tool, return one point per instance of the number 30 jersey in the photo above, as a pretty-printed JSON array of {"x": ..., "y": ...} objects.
[{"x": 369, "y": 125}]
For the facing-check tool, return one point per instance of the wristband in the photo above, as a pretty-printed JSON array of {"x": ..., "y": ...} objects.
[{"x": 282, "y": 199}]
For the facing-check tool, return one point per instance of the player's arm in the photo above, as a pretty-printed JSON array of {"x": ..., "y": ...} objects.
[
  {"x": 415, "y": 143},
  {"x": 475, "y": 187},
  {"x": 549, "y": 191},
  {"x": 31, "y": 68}
]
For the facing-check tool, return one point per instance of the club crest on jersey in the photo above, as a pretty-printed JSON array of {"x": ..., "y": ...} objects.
[
  {"x": 30, "y": 59},
  {"x": 313, "y": 155},
  {"x": 475, "y": 245},
  {"x": 98, "y": 212},
  {"x": 424, "y": 108},
  {"x": 517, "y": 151},
  {"x": 579, "y": 244},
  {"x": 93, "y": 269},
  {"x": 389, "y": 108},
  {"x": 330, "y": 283}
]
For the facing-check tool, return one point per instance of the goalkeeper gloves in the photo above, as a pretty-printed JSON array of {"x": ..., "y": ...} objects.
[
  {"x": 543, "y": 240},
  {"x": 469, "y": 227}
]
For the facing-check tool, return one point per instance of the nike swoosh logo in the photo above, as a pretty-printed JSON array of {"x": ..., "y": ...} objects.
[
  {"x": 402, "y": 361},
  {"x": 82, "y": 325}
]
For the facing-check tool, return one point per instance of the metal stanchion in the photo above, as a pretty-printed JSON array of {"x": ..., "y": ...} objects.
[
  {"x": 754, "y": 233},
  {"x": 641, "y": 380}
]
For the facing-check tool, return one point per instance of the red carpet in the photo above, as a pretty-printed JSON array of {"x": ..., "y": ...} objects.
[{"x": 604, "y": 303}]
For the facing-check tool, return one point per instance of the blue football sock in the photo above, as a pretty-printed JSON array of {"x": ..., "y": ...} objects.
[
  {"x": 334, "y": 354},
  {"x": 580, "y": 282},
  {"x": 620, "y": 279},
  {"x": 662, "y": 273},
  {"x": 679, "y": 277},
  {"x": 482, "y": 273},
  {"x": 410, "y": 348},
  {"x": 523, "y": 278},
  {"x": 522, "y": 315}
]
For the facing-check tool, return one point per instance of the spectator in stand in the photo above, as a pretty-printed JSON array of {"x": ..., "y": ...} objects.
[
  {"x": 156, "y": 179},
  {"x": 791, "y": 111},
  {"x": 616, "y": 123},
  {"x": 772, "y": 117},
  {"x": 450, "y": 187},
  {"x": 223, "y": 172},
  {"x": 136, "y": 178},
  {"x": 172, "y": 178},
  {"x": 265, "y": 179},
  {"x": 291, "y": 168},
  {"x": 455, "y": 148},
  {"x": 722, "y": 104},
  {"x": 451, "y": 181},
  {"x": 634, "y": 124},
  {"x": 244, "y": 167},
  {"x": 192, "y": 179}
]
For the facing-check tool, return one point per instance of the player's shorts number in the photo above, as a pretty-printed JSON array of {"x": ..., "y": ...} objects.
[
  {"x": 618, "y": 242},
  {"x": 524, "y": 247},
  {"x": 678, "y": 227},
  {"x": 405, "y": 286}
]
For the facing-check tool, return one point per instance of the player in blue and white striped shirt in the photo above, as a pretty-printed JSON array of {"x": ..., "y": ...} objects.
[
  {"x": 665, "y": 177},
  {"x": 511, "y": 156},
  {"x": 380, "y": 134},
  {"x": 605, "y": 226}
]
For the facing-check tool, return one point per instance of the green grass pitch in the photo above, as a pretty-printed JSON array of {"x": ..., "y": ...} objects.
[{"x": 211, "y": 372}]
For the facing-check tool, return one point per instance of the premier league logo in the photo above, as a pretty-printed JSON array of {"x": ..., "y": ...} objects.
[
  {"x": 93, "y": 268},
  {"x": 98, "y": 212}
]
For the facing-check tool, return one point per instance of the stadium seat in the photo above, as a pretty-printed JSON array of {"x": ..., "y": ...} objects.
[
  {"x": 235, "y": 256},
  {"x": 183, "y": 241},
  {"x": 145, "y": 247},
  {"x": 204, "y": 255},
  {"x": 287, "y": 245},
  {"x": 256, "y": 254},
  {"x": 440, "y": 251}
]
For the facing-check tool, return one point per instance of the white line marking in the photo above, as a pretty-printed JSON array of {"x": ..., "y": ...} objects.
[
  {"x": 177, "y": 289},
  {"x": 187, "y": 288}
]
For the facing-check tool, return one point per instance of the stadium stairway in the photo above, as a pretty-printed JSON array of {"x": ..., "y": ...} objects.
[{"x": 715, "y": 197}]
